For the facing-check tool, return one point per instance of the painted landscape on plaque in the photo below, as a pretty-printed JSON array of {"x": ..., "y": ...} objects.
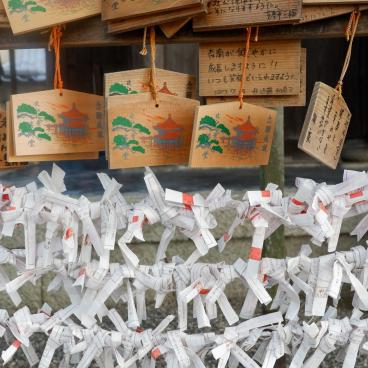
[
  {"x": 45, "y": 124},
  {"x": 156, "y": 133},
  {"x": 232, "y": 136},
  {"x": 137, "y": 81},
  {"x": 26, "y": 15},
  {"x": 141, "y": 134}
]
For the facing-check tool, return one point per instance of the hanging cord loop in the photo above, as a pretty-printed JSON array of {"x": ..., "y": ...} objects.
[
  {"x": 144, "y": 51},
  {"x": 244, "y": 67},
  {"x": 54, "y": 43},
  {"x": 153, "y": 78},
  {"x": 350, "y": 34}
]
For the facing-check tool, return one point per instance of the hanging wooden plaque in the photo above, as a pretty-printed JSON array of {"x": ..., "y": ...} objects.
[
  {"x": 311, "y": 13},
  {"x": 136, "y": 81},
  {"x": 273, "y": 68},
  {"x": 325, "y": 125},
  {"x": 275, "y": 101},
  {"x": 120, "y": 9},
  {"x": 47, "y": 123},
  {"x": 138, "y": 22},
  {"x": 141, "y": 134},
  {"x": 225, "y": 135},
  {"x": 324, "y": 2},
  {"x": 171, "y": 28},
  {"x": 4, "y": 22},
  {"x": 13, "y": 158},
  {"x": 223, "y": 14},
  {"x": 4, "y": 162},
  {"x": 25, "y": 16}
]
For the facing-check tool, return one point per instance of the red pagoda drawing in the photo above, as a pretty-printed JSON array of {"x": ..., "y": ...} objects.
[
  {"x": 169, "y": 133},
  {"x": 166, "y": 90},
  {"x": 75, "y": 123},
  {"x": 246, "y": 135}
]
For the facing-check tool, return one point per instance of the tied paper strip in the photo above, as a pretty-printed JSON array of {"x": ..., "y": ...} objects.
[{"x": 73, "y": 227}]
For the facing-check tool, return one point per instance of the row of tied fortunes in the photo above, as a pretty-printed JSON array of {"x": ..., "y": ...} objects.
[{"x": 80, "y": 235}]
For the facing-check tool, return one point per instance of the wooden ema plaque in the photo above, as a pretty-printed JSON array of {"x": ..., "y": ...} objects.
[
  {"x": 121, "y": 9},
  {"x": 311, "y": 13},
  {"x": 4, "y": 162},
  {"x": 136, "y": 81},
  {"x": 25, "y": 16},
  {"x": 138, "y": 22},
  {"x": 273, "y": 68},
  {"x": 47, "y": 123},
  {"x": 325, "y": 125},
  {"x": 329, "y": 2},
  {"x": 224, "y": 14},
  {"x": 275, "y": 101},
  {"x": 12, "y": 157},
  {"x": 141, "y": 134},
  {"x": 171, "y": 28},
  {"x": 225, "y": 135}
]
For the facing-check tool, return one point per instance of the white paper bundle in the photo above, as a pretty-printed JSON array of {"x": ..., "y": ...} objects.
[{"x": 79, "y": 236}]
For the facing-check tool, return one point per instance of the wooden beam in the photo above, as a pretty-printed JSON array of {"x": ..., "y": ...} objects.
[{"x": 92, "y": 33}]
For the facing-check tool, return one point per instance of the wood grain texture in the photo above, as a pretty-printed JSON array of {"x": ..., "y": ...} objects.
[
  {"x": 171, "y": 28},
  {"x": 225, "y": 135},
  {"x": 325, "y": 125},
  {"x": 4, "y": 161},
  {"x": 47, "y": 123},
  {"x": 324, "y": 2},
  {"x": 273, "y": 68},
  {"x": 141, "y": 134},
  {"x": 121, "y": 9},
  {"x": 275, "y": 101},
  {"x": 22, "y": 160},
  {"x": 137, "y": 81},
  {"x": 229, "y": 14},
  {"x": 312, "y": 13},
  {"x": 91, "y": 33},
  {"x": 138, "y": 22},
  {"x": 43, "y": 14}
]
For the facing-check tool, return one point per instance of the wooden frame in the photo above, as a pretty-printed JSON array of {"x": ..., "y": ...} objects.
[{"x": 91, "y": 32}]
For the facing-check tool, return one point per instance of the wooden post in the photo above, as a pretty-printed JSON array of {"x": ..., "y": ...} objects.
[{"x": 274, "y": 172}]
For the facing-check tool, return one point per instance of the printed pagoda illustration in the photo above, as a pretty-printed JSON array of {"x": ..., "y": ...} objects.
[
  {"x": 75, "y": 123},
  {"x": 166, "y": 90},
  {"x": 246, "y": 136},
  {"x": 169, "y": 133}
]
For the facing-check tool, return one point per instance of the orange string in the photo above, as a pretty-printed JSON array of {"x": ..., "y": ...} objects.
[
  {"x": 350, "y": 34},
  {"x": 153, "y": 77},
  {"x": 54, "y": 43},
  {"x": 256, "y": 35},
  {"x": 244, "y": 67}
]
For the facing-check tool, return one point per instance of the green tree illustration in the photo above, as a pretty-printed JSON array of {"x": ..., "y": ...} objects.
[
  {"x": 47, "y": 116},
  {"x": 128, "y": 142},
  {"x": 29, "y": 111},
  {"x": 142, "y": 128},
  {"x": 120, "y": 89},
  {"x": 33, "y": 116},
  {"x": 26, "y": 109},
  {"x": 27, "y": 130},
  {"x": 123, "y": 143},
  {"x": 208, "y": 141},
  {"x": 123, "y": 123},
  {"x": 25, "y": 7},
  {"x": 44, "y": 136}
]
